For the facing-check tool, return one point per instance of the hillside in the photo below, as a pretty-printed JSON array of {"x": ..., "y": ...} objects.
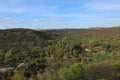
[
  {"x": 89, "y": 32},
  {"x": 21, "y": 37},
  {"x": 82, "y": 54}
]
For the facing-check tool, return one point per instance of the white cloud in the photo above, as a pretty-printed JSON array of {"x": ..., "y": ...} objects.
[
  {"x": 76, "y": 15},
  {"x": 112, "y": 19},
  {"x": 11, "y": 6},
  {"x": 103, "y": 5},
  {"x": 13, "y": 10},
  {"x": 19, "y": 10},
  {"x": 16, "y": 0},
  {"x": 7, "y": 22}
]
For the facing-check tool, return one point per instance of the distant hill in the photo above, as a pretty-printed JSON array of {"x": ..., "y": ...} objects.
[
  {"x": 88, "y": 32},
  {"x": 28, "y": 38},
  {"x": 21, "y": 37}
]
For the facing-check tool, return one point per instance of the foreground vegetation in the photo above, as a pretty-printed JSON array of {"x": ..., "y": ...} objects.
[{"x": 81, "y": 54}]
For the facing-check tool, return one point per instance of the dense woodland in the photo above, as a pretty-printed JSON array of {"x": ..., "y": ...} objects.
[{"x": 66, "y": 54}]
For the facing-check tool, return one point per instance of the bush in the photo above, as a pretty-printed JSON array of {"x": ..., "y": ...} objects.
[
  {"x": 117, "y": 71},
  {"x": 99, "y": 71},
  {"x": 75, "y": 72}
]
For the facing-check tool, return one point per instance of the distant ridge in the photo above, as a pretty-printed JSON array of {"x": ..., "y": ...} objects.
[{"x": 21, "y": 37}]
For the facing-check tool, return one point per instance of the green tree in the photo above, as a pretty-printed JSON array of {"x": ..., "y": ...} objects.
[
  {"x": 35, "y": 66},
  {"x": 1, "y": 55},
  {"x": 18, "y": 76},
  {"x": 99, "y": 71},
  {"x": 75, "y": 72}
]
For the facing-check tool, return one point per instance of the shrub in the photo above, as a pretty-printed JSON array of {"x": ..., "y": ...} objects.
[
  {"x": 75, "y": 72},
  {"x": 99, "y": 71}
]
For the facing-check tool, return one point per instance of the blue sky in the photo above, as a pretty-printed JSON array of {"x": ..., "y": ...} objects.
[{"x": 55, "y": 14}]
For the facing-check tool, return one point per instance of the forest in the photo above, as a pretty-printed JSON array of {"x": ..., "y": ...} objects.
[{"x": 60, "y": 54}]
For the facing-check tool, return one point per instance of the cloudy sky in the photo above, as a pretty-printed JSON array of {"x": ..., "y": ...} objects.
[{"x": 52, "y": 14}]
